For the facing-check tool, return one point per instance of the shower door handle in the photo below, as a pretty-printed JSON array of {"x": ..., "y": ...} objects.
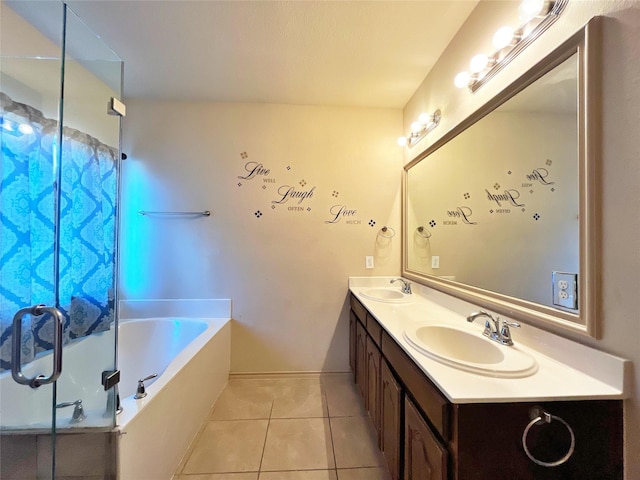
[{"x": 16, "y": 351}]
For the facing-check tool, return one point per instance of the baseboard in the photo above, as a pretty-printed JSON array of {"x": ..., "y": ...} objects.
[{"x": 289, "y": 375}]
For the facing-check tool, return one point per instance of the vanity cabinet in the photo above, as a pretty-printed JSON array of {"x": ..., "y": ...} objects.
[
  {"x": 353, "y": 321},
  {"x": 424, "y": 436},
  {"x": 391, "y": 404},
  {"x": 425, "y": 458},
  {"x": 366, "y": 345},
  {"x": 361, "y": 360},
  {"x": 372, "y": 402}
]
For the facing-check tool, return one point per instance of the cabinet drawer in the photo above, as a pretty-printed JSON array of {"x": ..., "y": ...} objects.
[
  {"x": 428, "y": 398},
  {"x": 375, "y": 330},
  {"x": 359, "y": 310}
]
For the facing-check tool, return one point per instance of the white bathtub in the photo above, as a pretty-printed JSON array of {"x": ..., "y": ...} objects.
[{"x": 192, "y": 359}]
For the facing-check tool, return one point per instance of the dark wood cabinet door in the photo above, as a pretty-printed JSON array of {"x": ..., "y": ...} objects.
[
  {"x": 352, "y": 341},
  {"x": 424, "y": 457},
  {"x": 373, "y": 384},
  {"x": 361, "y": 360},
  {"x": 390, "y": 419}
]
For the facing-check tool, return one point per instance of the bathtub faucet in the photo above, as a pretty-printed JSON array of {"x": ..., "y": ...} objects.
[
  {"x": 78, "y": 412},
  {"x": 140, "y": 392}
]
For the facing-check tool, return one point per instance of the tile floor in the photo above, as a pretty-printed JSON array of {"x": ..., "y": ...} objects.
[{"x": 286, "y": 429}]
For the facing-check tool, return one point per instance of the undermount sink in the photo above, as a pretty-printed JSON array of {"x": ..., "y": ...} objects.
[
  {"x": 470, "y": 351},
  {"x": 385, "y": 294}
]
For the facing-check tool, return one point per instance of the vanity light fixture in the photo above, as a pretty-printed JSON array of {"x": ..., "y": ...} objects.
[
  {"x": 426, "y": 123},
  {"x": 536, "y": 16}
]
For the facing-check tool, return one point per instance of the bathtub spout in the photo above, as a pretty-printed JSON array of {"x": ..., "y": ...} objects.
[
  {"x": 141, "y": 392},
  {"x": 78, "y": 414}
]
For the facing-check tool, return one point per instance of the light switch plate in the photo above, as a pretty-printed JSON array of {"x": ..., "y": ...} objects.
[
  {"x": 435, "y": 261},
  {"x": 565, "y": 290},
  {"x": 368, "y": 262}
]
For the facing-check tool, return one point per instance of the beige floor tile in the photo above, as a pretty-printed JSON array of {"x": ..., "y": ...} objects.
[
  {"x": 300, "y": 475},
  {"x": 250, "y": 382},
  {"x": 338, "y": 377},
  {"x": 219, "y": 476},
  {"x": 299, "y": 400},
  {"x": 372, "y": 473},
  {"x": 298, "y": 444},
  {"x": 228, "y": 446},
  {"x": 354, "y": 442},
  {"x": 343, "y": 399},
  {"x": 242, "y": 402}
]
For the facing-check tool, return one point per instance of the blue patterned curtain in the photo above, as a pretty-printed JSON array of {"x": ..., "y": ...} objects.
[{"x": 87, "y": 228}]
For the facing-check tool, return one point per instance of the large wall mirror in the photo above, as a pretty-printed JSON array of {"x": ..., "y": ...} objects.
[{"x": 503, "y": 211}]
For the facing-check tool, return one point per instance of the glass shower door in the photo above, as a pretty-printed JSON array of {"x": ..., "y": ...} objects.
[
  {"x": 58, "y": 203},
  {"x": 89, "y": 183},
  {"x": 30, "y": 80}
]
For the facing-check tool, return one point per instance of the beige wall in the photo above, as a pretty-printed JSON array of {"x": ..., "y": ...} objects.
[
  {"x": 286, "y": 271},
  {"x": 620, "y": 176}
]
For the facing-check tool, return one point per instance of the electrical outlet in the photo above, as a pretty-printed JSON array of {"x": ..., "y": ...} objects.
[
  {"x": 368, "y": 262},
  {"x": 565, "y": 289},
  {"x": 435, "y": 261}
]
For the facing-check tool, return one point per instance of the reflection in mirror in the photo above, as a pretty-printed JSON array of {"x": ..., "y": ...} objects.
[
  {"x": 501, "y": 199},
  {"x": 497, "y": 211}
]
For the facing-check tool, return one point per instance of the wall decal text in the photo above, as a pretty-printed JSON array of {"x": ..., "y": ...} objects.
[
  {"x": 287, "y": 192},
  {"x": 339, "y": 212},
  {"x": 540, "y": 175},
  {"x": 463, "y": 213},
  {"x": 509, "y": 196},
  {"x": 254, "y": 169}
]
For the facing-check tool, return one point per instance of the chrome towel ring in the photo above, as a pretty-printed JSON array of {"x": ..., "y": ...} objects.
[{"x": 542, "y": 417}]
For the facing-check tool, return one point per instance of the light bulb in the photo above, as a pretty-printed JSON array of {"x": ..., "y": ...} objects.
[
  {"x": 503, "y": 37},
  {"x": 425, "y": 118},
  {"x": 416, "y": 127},
  {"x": 402, "y": 141},
  {"x": 462, "y": 80},
  {"x": 25, "y": 129},
  {"x": 530, "y": 9},
  {"x": 478, "y": 63}
]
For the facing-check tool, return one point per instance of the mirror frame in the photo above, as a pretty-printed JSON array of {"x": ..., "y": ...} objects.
[{"x": 586, "y": 44}]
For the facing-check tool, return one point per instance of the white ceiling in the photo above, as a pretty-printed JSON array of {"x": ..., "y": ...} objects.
[{"x": 347, "y": 53}]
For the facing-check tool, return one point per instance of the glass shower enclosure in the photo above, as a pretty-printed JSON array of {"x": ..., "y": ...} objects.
[{"x": 60, "y": 130}]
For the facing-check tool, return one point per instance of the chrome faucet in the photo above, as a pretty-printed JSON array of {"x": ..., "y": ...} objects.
[
  {"x": 140, "y": 391},
  {"x": 406, "y": 286},
  {"x": 78, "y": 414},
  {"x": 494, "y": 328}
]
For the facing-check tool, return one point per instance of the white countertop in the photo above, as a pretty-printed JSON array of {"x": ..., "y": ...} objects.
[{"x": 567, "y": 370}]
